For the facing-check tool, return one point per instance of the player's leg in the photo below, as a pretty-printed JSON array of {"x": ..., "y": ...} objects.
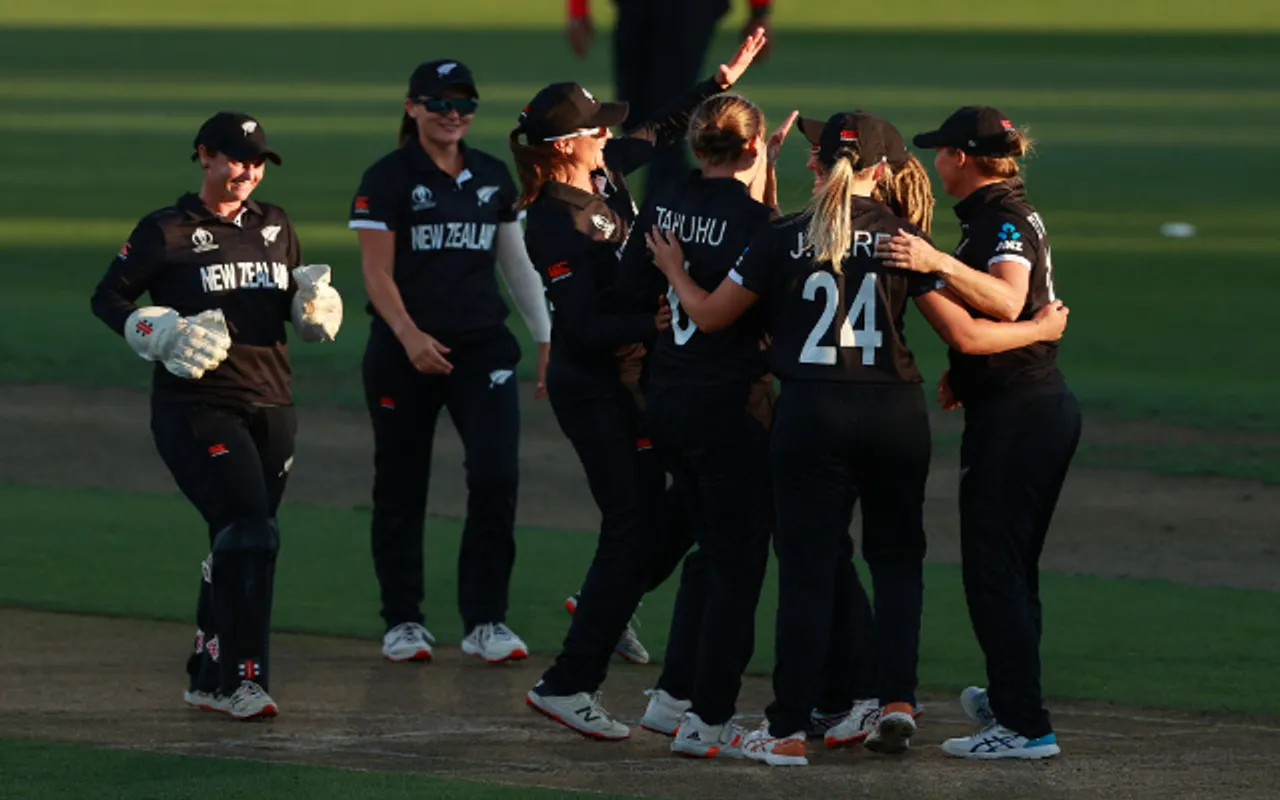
[
  {"x": 1014, "y": 458},
  {"x": 812, "y": 481},
  {"x": 894, "y": 466},
  {"x": 215, "y": 461},
  {"x": 484, "y": 404},
  {"x": 848, "y": 707},
  {"x": 403, "y": 407}
]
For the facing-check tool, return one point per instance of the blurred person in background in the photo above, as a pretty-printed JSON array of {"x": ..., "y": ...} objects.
[{"x": 659, "y": 47}]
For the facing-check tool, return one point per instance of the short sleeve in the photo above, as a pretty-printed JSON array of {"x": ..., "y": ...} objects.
[
  {"x": 755, "y": 267},
  {"x": 373, "y": 207},
  {"x": 1001, "y": 237}
]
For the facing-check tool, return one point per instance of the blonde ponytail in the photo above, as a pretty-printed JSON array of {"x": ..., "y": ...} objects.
[{"x": 830, "y": 232}]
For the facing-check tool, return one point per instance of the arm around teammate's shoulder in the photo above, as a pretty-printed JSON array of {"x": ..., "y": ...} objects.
[
  {"x": 1000, "y": 293},
  {"x": 962, "y": 332}
]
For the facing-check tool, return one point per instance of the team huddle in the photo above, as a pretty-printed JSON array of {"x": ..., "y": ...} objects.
[{"x": 670, "y": 326}]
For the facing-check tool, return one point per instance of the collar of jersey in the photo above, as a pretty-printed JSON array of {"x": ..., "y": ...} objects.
[
  {"x": 991, "y": 193},
  {"x": 419, "y": 161},
  {"x": 198, "y": 211}
]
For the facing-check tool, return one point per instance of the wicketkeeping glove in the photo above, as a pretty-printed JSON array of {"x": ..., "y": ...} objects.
[
  {"x": 187, "y": 346},
  {"x": 317, "y": 306}
]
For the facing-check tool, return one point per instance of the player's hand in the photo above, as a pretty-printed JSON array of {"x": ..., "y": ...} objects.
[
  {"x": 662, "y": 321},
  {"x": 764, "y": 24},
  {"x": 946, "y": 397},
  {"x": 667, "y": 253},
  {"x": 316, "y": 306},
  {"x": 773, "y": 148},
  {"x": 540, "y": 382},
  {"x": 910, "y": 252},
  {"x": 187, "y": 346},
  {"x": 1052, "y": 320},
  {"x": 425, "y": 353},
  {"x": 728, "y": 74},
  {"x": 580, "y": 33}
]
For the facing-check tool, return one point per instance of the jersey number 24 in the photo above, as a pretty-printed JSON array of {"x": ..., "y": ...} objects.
[{"x": 868, "y": 338}]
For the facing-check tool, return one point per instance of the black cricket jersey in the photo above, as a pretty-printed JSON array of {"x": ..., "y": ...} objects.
[
  {"x": 573, "y": 238},
  {"x": 826, "y": 326},
  {"x": 446, "y": 234},
  {"x": 191, "y": 260},
  {"x": 998, "y": 224},
  {"x": 714, "y": 219}
]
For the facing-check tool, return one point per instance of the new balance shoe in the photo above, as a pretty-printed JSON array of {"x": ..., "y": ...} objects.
[
  {"x": 996, "y": 741},
  {"x": 856, "y": 726},
  {"x": 786, "y": 751},
  {"x": 977, "y": 706},
  {"x": 628, "y": 646},
  {"x": 249, "y": 701},
  {"x": 205, "y": 701},
  {"x": 893, "y": 732},
  {"x": 407, "y": 641},
  {"x": 494, "y": 642},
  {"x": 664, "y": 713},
  {"x": 697, "y": 739},
  {"x": 581, "y": 712}
]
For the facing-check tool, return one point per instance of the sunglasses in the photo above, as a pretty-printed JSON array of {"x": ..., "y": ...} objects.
[
  {"x": 465, "y": 106},
  {"x": 594, "y": 133}
]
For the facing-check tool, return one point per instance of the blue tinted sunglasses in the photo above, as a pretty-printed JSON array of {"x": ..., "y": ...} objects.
[{"x": 465, "y": 106}]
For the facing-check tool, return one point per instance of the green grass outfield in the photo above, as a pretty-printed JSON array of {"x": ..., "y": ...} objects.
[
  {"x": 56, "y": 771},
  {"x": 1143, "y": 643},
  {"x": 1134, "y": 130}
]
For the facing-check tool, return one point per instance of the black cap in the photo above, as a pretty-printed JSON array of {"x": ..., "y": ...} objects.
[
  {"x": 977, "y": 130},
  {"x": 562, "y": 109},
  {"x": 238, "y": 135},
  {"x": 433, "y": 77},
  {"x": 861, "y": 132}
]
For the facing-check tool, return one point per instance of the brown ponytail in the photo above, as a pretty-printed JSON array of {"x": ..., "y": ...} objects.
[
  {"x": 722, "y": 127},
  {"x": 1005, "y": 167},
  {"x": 908, "y": 193},
  {"x": 535, "y": 165}
]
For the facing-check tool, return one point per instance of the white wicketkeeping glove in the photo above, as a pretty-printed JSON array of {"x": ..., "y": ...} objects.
[
  {"x": 187, "y": 346},
  {"x": 317, "y": 306}
]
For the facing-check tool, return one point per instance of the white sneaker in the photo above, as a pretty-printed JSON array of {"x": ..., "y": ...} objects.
[
  {"x": 205, "y": 701},
  {"x": 407, "y": 641},
  {"x": 997, "y": 741},
  {"x": 664, "y": 712},
  {"x": 856, "y": 726},
  {"x": 697, "y": 739},
  {"x": 249, "y": 701},
  {"x": 893, "y": 732},
  {"x": 494, "y": 642},
  {"x": 789, "y": 751},
  {"x": 977, "y": 706},
  {"x": 820, "y": 723},
  {"x": 628, "y": 646},
  {"x": 581, "y": 712}
]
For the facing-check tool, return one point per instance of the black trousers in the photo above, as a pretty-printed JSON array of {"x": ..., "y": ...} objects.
[
  {"x": 643, "y": 530},
  {"x": 232, "y": 463},
  {"x": 833, "y": 444},
  {"x": 1014, "y": 459},
  {"x": 481, "y": 395},
  {"x": 659, "y": 47},
  {"x": 721, "y": 451}
]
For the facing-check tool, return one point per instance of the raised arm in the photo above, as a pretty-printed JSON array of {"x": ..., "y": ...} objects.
[
  {"x": 710, "y": 311},
  {"x": 962, "y": 332}
]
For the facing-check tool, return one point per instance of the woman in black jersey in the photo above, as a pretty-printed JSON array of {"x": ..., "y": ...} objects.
[
  {"x": 709, "y": 404},
  {"x": 433, "y": 217},
  {"x": 579, "y": 213},
  {"x": 1022, "y": 423},
  {"x": 223, "y": 273},
  {"x": 851, "y": 421}
]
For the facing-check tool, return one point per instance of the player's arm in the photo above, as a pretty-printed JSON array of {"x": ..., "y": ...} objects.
[
  {"x": 710, "y": 311},
  {"x": 1000, "y": 292},
  {"x": 636, "y": 281},
  {"x": 578, "y": 27},
  {"x": 129, "y": 276},
  {"x": 571, "y": 289},
  {"x": 962, "y": 332}
]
